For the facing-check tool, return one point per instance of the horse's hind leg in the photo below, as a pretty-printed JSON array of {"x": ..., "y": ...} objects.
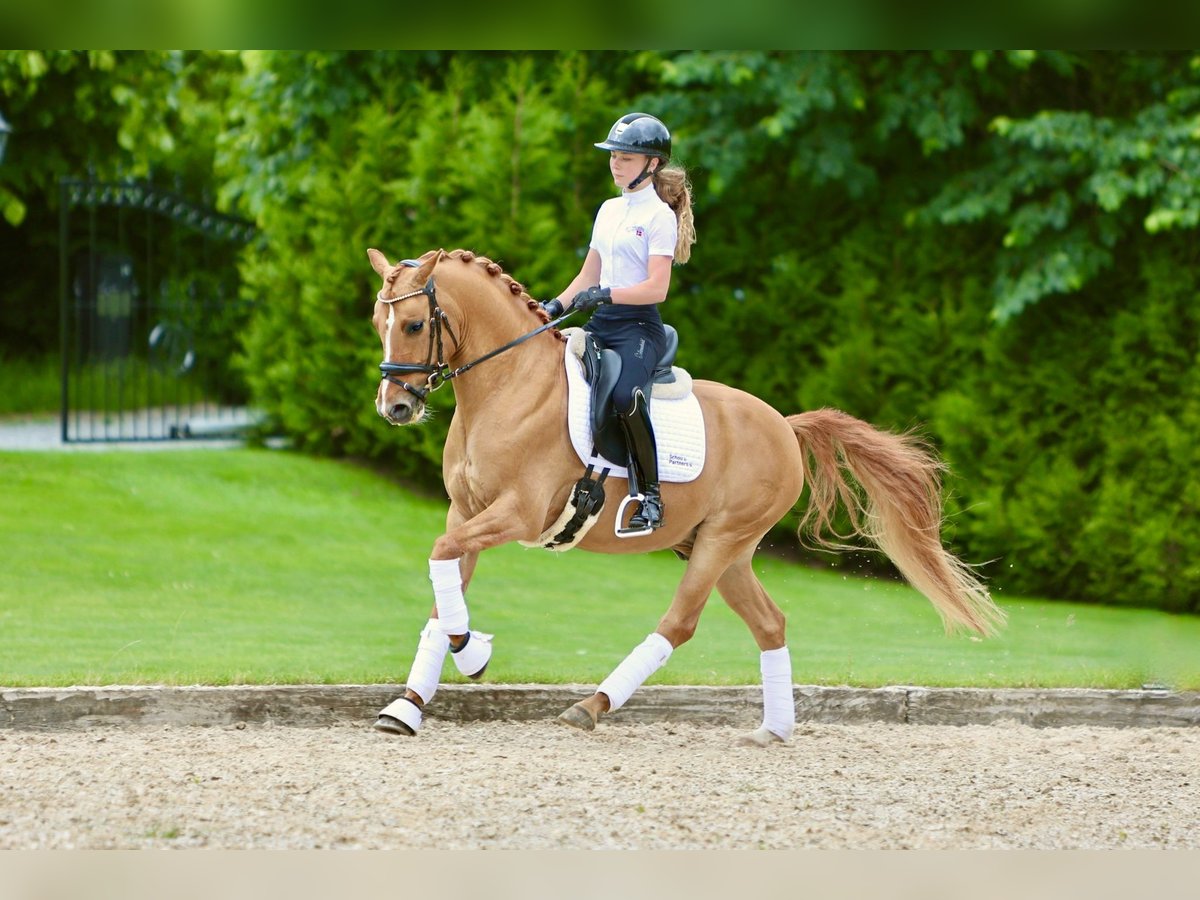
[
  {"x": 744, "y": 593},
  {"x": 708, "y": 561}
]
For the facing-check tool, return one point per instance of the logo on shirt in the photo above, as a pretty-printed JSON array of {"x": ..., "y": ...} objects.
[{"x": 639, "y": 231}]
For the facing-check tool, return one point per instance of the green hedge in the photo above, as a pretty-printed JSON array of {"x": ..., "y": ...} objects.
[
  {"x": 1069, "y": 429},
  {"x": 1069, "y": 432}
]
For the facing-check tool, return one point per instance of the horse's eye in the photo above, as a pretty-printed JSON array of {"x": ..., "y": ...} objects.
[{"x": 414, "y": 327}]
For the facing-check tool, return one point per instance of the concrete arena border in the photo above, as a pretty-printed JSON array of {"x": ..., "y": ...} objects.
[{"x": 74, "y": 708}]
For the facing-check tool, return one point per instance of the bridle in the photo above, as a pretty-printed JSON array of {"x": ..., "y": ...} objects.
[
  {"x": 436, "y": 369},
  {"x": 437, "y": 372}
]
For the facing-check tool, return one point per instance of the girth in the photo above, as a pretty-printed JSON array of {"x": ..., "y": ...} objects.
[{"x": 602, "y": 369}]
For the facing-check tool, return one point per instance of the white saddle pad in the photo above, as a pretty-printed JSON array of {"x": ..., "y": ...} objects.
[{"x": 674, "y": 410}]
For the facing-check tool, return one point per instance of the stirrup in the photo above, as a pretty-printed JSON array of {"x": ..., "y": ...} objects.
[
  {"x": 631, "y": 532},
  {"x": 652, "y": 500}
]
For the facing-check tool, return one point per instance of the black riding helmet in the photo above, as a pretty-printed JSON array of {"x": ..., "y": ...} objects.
[{"x": 639, "y": 133}]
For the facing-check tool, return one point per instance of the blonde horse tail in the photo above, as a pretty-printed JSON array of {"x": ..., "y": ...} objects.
[{"x": 893, "y": 497}]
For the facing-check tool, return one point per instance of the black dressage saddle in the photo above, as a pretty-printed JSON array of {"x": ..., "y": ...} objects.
[{"x": 602, "y": 368}]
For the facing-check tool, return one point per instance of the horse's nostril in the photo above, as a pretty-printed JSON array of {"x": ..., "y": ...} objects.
[{"x": 400, "y": 412}]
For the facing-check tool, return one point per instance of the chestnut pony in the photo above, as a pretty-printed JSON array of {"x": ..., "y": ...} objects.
[{"x": 509, "y": 470}]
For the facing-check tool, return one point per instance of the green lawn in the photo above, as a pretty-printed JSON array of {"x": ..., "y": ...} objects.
[{"x": 256, "y": 566}]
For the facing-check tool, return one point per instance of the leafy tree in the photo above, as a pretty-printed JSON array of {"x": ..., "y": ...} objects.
[
  {"x": 995, "y": 248},
  {"x": 1072, "y": 184},
  {"x": 115, "y": 113},
  {"x": 831, "y": 180},
  {"x": 471, "y": 151}
]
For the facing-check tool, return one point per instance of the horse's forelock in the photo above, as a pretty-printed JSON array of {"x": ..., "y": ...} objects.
[{"x": 400, "y": 268}]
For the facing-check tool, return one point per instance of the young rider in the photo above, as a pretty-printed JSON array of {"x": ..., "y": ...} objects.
[{"x": 627, "y": 273}]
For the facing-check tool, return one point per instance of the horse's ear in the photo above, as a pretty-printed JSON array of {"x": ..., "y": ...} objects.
[
  {"x": 426, "y": 263},
  {"x": 379, "y": 262}
]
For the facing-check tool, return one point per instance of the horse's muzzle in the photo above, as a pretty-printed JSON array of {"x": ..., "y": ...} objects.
[
  {"x": 399, "y": 408},
  {"x": 402, "y": 412}
]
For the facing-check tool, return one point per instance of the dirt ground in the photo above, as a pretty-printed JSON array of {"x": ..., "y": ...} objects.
[{"x": 535, "y": 786}]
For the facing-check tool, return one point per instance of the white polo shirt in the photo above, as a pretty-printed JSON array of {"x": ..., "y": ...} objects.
[{"x": 629, "y": 230}]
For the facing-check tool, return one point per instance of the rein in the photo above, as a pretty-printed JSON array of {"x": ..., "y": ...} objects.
[{"x": 437, "y": 370}]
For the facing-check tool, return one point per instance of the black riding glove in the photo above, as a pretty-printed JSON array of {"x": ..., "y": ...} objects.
[{"x": 591, "y": 298}]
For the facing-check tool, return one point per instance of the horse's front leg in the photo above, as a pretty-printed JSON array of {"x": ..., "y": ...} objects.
[
  {"x": 470, "y": 650},
  {"x": 451, "y": 565}
]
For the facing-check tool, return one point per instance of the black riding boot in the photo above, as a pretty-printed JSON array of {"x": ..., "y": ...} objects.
[{"x": 643, "y": 463}]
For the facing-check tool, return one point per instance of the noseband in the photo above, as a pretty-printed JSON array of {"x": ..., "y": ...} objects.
[{"x": 436, "y": 369}]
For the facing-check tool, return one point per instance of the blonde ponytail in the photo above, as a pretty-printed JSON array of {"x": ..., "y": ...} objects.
[{"x": 672, "y": 186}]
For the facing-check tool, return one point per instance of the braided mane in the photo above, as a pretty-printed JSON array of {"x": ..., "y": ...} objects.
[
  {"x": 514, "y": 287},
  {"x": 493, "y": 269}
]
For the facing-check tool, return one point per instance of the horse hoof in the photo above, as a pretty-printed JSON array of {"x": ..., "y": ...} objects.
[
  {"x": 760, "y": 737},
  {"x": 392, "y": 725},
  {"x": 578, "y": 717}
]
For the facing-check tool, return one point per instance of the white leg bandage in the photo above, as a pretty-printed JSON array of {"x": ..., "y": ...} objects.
[
  {"x": 426, "y": 669},
  {"x": 448, "y": 594},
  {"x": 647, "y": 658},
  {"x": 779, "y": 706},
  {"x": 473, "y": 656}
]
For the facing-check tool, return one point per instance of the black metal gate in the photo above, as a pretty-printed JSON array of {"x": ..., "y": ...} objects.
[{"x": 150, "y": 311}]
